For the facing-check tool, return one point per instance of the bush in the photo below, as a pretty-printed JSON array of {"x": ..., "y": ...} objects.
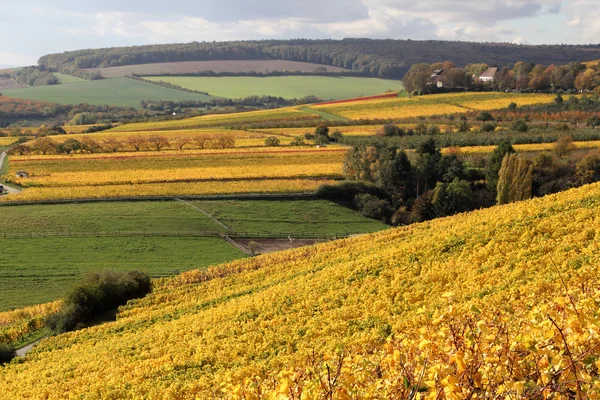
[
  {"x": 347, "y": 190},
  {"x": 272, "y": 142},
  {"x": 484, "y": 116},
  {"x": 519, "y": 125},
  {"x": 298, "y": 141},
  {"x": 372, "y": 206},
  {"x": 391, "y": 130},
  {"x": 588, "y": 169},
  {"x": 337, "y": 137},
  {"x": 7, "y": 353},
  {"x": 512, "y": 106},
  {"x": 97, "y": 294},
  {"x": 488, "y": 127}
]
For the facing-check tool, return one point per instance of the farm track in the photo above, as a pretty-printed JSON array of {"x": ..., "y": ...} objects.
[{"x": 7, "y": 188}]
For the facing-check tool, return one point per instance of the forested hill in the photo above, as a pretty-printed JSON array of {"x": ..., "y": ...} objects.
[{"x": 383, "y": 58}]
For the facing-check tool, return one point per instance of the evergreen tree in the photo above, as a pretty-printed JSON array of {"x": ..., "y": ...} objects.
[{"x": 515, "y": 179}]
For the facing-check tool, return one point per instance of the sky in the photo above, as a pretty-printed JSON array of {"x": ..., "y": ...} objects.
[{"x": 32, "y": 28}]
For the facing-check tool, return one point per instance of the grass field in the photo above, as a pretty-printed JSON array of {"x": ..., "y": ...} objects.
[
  {"x": 326, "y": 88},
  {"x": 294, "y": 216},
  {"x": 36, "y": 270},
  {"x": 117, "y": 92},
  {"x": 149, "y": 236},
  {"x": 66, "y": 79}
]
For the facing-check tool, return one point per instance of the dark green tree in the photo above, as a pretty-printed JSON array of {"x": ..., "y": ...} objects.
[{"x": 494, "y": 164}]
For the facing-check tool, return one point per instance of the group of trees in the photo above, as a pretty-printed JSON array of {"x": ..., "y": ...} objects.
[
  {"x": 523, "y": 76},
  {"x": 383, "y": 58},
  {"x": 46, "y": 145},
  {"x": 33, "y": 76},
  {"x": 262, "y": 102},
  {"x": 394, "y": 187}
]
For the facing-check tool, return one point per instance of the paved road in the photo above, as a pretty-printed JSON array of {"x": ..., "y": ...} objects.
[
  {"x": 7, "y": 188},
  {"x": 23, "y": 350}
]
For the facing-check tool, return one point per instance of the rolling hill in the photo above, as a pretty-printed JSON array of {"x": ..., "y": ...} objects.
[
  {"x": 115, "y": 92},
  {"x": 500, "y": 301}
]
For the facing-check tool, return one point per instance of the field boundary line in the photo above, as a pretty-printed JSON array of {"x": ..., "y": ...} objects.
[{"x": 203, "y": 212}]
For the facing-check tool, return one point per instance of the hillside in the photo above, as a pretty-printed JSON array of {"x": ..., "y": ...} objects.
[
  {"x": 382, "y": 58},
  {"x": 112, "y": 92},
  {"x": 499, "y": 301}
]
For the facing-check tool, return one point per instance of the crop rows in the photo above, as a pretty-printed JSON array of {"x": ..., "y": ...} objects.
[
  {"x": 407, "y": 107},
  {"x": 495, "y": 302}
]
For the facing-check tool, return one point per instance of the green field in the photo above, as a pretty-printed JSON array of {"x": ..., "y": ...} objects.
[
  {"x": 287, "y": 216},
  {"x": 334, "y": 88},
  {"x": 117, "y": 92},
  {"x": 65, "y": 79},
  {"x": 44, "y": 249},
  {"x": 42, "y": 269}
]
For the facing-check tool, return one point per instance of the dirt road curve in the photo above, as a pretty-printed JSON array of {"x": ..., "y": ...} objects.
[{"x": 6, "y": 188}]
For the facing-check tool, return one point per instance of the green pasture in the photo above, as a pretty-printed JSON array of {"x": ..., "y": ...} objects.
[{"x": 324, "y": 87}]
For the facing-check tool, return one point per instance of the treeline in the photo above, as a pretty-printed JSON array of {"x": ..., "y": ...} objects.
[
  {"x": 263, "y": 102},
  {"x": 381, "y": 58},
  {"x": 523, "y": 77},
  {"x": 385, "y": 183}
]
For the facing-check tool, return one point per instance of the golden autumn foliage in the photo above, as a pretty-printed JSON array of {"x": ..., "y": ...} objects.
[{"x": 497, "y": 303}]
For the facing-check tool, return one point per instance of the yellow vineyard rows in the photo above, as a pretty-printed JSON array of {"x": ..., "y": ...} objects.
[
  {"x": 407, "y": 107},
  {"x": 16, "y": 324},
  {"x": 498, "y": 302},
  {"x": 245, "y": 186},
  {"x": 142, "y": 176},
  {"x": 533, "y": 147},
  {"x": 175, "y": 173},
  {"x": 283, "y": 114},
  {"x": 7, "y": 141}
]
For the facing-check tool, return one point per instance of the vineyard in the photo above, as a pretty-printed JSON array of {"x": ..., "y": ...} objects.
[
  {"x": 437, "y": 104},
  {"x": 494, "y": 302},
  {"x": 175, "y": 173}
]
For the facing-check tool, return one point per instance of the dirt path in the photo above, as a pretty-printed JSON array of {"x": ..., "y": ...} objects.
[
  {"x": 8, "y": 189},
  {"x": 24, "y": 350}
]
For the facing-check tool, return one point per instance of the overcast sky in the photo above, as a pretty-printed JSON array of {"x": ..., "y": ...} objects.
[{"x": 31, "y": 28}]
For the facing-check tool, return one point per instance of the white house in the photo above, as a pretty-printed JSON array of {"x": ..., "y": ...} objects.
[{"x": 488, "y": 75}]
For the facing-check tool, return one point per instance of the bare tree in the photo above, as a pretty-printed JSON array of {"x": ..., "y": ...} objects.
[
  {"x": 181, "y": 142},
  {"x": 137, "y": 142},
  {"x": 158, "y": 142},
  {"x": 45, "y": 145},
  {"x": 112, "y": 145}
]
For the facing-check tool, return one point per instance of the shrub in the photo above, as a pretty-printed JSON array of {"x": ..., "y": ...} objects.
[
  {"x": 337, "y": 137},
  {"x": 97, "y": 294},
  {"x": 564, "y": 145},
  {"x": 484, "y": 116},
  {"x": 588, "y": 169},
  {"x": 347, "y": 190},
  {"x": 391, "y": 130},
  {"x": 464, "y": 127},
  {"x": 519, "y": 125},
  {"x": 309, "y": 136},
  {"x": 543, "y": 160},
  {"x": 512, "y": 106},
  {"x": 372, "y": 206},
  {"x": 298, "y": 141},
  {"x": 488, "y": 127},
  {"x": 272, "y": 142},
  {"x": 7, "y": 353}
]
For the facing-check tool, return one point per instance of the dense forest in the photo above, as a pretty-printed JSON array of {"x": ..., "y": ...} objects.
[{"x": 382, "y": 58}]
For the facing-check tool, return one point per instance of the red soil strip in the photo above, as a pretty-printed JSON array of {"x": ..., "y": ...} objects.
[{"x": 178, "y": 155}]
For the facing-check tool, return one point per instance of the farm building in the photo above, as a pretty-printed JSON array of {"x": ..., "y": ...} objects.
[{"x": 488, "y": 75}]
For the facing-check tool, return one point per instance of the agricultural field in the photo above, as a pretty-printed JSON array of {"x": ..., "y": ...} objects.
[
  {"x": 116, "y": 92},
  {"x": 66, "y": 79},
  {"x": 285, "y": 216},
  {"x": 184, "y": 139},
  {"x": 281, "y": 116},
  {"x": 444, "y": 307},
  {"x": 436, "y": 104},
  {"x": 182, "y": 173},
  {"x": 158, "y": 237},
  {"x": 290, "y": 87},
  {"x": 234, "y": 66}
]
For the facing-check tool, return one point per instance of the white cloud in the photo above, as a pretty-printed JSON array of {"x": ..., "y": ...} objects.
[{"x": 20, "y": 59}]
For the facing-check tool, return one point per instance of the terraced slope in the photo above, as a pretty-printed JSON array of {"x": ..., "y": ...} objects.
[{"x": 501, "y": 301}]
